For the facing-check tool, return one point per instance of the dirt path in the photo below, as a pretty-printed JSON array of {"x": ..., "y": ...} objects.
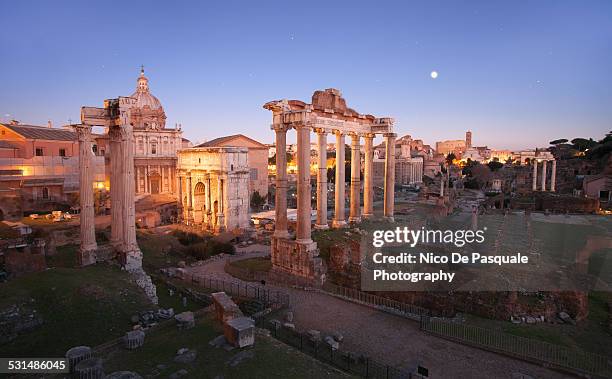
[{"x": 387, "y": 338}]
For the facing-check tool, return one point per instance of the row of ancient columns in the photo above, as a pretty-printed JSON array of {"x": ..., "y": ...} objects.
[
  {"x": 410, "y": 172},
  {"x": 123, "y": 216},
  {"x": 553, "y": 176},
  {"x": 303, "y": 232},
  {"x": 122, "y": 183}
]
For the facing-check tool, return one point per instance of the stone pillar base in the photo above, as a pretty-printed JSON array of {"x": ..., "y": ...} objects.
[
  {"x": 338, "y": 224},
  {"x": 131, "y": 260},
  {"x": 321, "y": 227},
  {"x": 354, "y": 219},
  {"x": 86, "y": 257},
  {"x": 367, "y": 216},
  {"x": 296, "y": 261},
  {"x": 389, "y": 218}
]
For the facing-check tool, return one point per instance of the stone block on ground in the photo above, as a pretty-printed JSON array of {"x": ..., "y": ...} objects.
[
  {"x": 239, "y": 331},
  {"x": 185, "y": 356},
  {"x": 185, "y": 320},
  {"x": 134, "y": 339},
  {"x": 225, "y": 308},
  {"x": 276, "y": 324},
  {"x": 333, "y": 344},
  {"x": 337, "y": 336},
  {"x": 90, "y": 368},
  {"x": 77, "y": 354}
]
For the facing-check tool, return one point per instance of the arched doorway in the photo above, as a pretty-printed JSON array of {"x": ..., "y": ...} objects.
[
  {"x": 155, "y": 183},
  {"x": 199, "y": 202}
]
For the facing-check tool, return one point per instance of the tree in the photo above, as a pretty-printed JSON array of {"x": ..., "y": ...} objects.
[
  {"x": 582, "y": 144},
  {"x": 450, "y": 158},
  {"x": 558, "y": 141},
  {"x": 495, "y": 165},
  {"x": 257, "y": 201}
]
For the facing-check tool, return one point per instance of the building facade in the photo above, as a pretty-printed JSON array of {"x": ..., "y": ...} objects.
[
  {"x": 39, "y": 168},
  {"x": 213, "y": 185}
]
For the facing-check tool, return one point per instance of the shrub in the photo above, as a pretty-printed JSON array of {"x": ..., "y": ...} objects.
[{"x": 186, "y": 238}]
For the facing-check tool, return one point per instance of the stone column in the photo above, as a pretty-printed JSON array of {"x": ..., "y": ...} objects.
[
  {"x": 116, "y": 187},
  {"x": 368, "y": 194},
  {"x": 355, "y": 210},
  {"x": 220, "y": 215},
  {"x": 190, "y": 200},
  {"x": 534, "y": 183},
  {"x": 543, "y": 176},
  {"x": 180, "y": 197},
  {"x": 87, "y": 250},
  {"x": 389, "y": 175},
  {"x": 280, "y": 198},
  {"x": 338, "y": 221},
  {"x": 206, "y": 216},
  {"x": 137, "y": 170},
  {"x": 322, "y": 180},
  {"x": 131, "y": 257},
  {"x": 553, "y": 176},
  {"x": 304, "y": 192}
]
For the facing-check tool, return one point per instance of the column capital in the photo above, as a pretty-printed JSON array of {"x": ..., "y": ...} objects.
[
  {"x": 390, "y": 135},
  {"x": 280, "y": 128},
  {"x": 369, "y": 135},
  {"x": 320, "y": 131},
  {"x": 83, "y": 132},
  {"x": 300, "y": 125},
  {"x": 337, "y": 132}
]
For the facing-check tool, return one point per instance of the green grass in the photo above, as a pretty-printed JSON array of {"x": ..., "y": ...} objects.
[
  {"x": 271, "y": 358},
  {"x": 85, "y": 306},
  {"x": 159, "y": 250},
  {"x": 254, "y": 264},
  {"x": 590, "y": 335}
]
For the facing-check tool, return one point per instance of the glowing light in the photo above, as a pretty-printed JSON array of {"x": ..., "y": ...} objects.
[{"x": 434, "y": 74}]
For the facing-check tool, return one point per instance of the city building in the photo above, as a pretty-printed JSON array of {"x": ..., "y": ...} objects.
[
  {"x": 155, "y": 150},
  {"x": 39, "y": 168}
]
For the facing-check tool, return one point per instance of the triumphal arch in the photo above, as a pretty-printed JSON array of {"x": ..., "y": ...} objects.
[{"x": 326, "y": 114}]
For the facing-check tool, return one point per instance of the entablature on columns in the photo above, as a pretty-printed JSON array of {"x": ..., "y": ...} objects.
[{"x": 327, "y": 113}]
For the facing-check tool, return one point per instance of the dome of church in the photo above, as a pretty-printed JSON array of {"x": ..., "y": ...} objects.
[{"x": 143, "y": 97}]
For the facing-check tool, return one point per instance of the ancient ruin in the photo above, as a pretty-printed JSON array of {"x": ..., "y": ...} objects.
[
  {"x": 115, "y": 117},
  {"x": 328, "y": 113},
  {"x": 213, "y": 187},
  {"x": 553, "y": 175}
]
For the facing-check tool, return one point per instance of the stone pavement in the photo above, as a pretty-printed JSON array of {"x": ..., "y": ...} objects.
[{"x": 387, "y": 338}]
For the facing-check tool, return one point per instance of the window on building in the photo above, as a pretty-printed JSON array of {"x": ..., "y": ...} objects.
[
  {"x": 45, "y": 193},
  {"x": 62, "y": 152},
  {"x": 39, "y": 152},
  {"x": 94, "y": 148},
  {"x": 254, "y": 174},
  {"x": 604, "y": 195},
  {"x": 154, "y": 148},
  {"x": 140, "y": 145}
]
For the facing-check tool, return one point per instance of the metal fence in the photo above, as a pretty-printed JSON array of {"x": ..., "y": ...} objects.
[
  {"x": 410, "y": 311},
  {"x": 550, "y": 355},
  {"x": 272, "y": 298},
  {"x": 357, "y": 364}
]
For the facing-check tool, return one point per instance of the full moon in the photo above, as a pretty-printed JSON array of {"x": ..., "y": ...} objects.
[{"x": 434, "y": 74}]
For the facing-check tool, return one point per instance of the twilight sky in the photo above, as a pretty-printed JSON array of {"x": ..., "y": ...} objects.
[{"x": 516, "y": 73}]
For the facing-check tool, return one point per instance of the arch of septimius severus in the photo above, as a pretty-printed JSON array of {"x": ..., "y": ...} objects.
[{"x": 327, "y": 114}]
